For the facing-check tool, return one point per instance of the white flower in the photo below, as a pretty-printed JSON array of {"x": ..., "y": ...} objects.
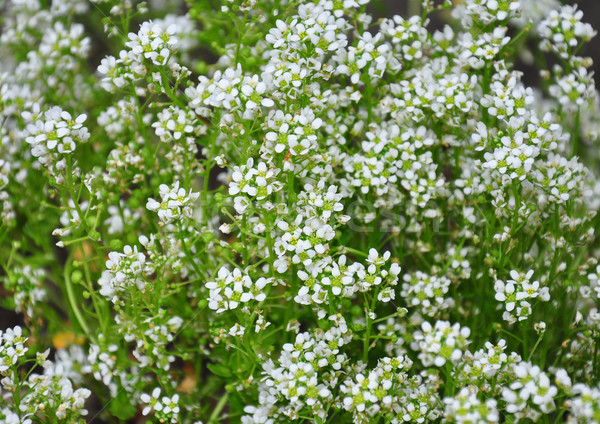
[
  {"x": 441, "y": 343},
  {"x": 253, "y": 183},
  {"x": 175, "y": 203},
  {"x": 231, "y": 288},
  {"x": 151, "y": 401},
  {"x": 516, "y": 292},
  {"x": 375, "y": 259},
  {"x": 53, "y": 134}
]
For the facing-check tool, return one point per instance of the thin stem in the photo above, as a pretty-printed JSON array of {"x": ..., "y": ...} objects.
[
  {"x": 535, "y": 346},
  {"x": 72, "y": 300},
  {"x": 215, "y": 414}
]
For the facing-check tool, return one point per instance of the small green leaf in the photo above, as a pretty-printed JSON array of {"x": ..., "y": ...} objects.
[
  {"x": 220, "y": 369},
  {"x": 121, "y": 406}
]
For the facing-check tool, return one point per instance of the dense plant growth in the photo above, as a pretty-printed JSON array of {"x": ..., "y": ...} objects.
[{"x": 339, "y": 219}]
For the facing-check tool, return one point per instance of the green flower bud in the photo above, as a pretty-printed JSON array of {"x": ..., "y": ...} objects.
[
  {"x": 116, "y": 245},
  {"x": 201, "y": 67},
  {"x": 357, "y": 327},
  {"x": 94, "y": 235},
  {"x": 134, "y": 202},
  {"x": 76, "y": 276}
]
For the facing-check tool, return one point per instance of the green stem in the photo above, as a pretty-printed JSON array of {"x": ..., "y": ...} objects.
[
  {"x": 215, "y": 414},
  {"x": 241, "y": 34},
  {"x": 356, "y": 252},
  {"x": 367, "y": 338},
  {"x": 72, "y": 300},
  {"x": 103, "y": 316},
  {"x": 166, "y": 85},
  {"x": 449, "y": 380},
  {"x": 512, "y": 335},
  {"x": 595, "y": 355},
  {"x": 270, "y": 243},
  {"x": 535, "y": 347},
  {"x": 576, "y": 133}
]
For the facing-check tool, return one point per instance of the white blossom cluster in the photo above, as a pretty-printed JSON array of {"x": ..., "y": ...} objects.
[
  {"x": 487, "y": 366},
  {"x": 251, "y": 183},
  {"x": 339, "y": 279},
  {"x": 161, "y": 332},
  {"x": 465, "y": 407},
  {"x": 175, "y": 204},
  {"x": 12, "y": 347},
  {"x": 517, "y": 293},
  {"x": 426, "y": 292},
  {"x": 585, "y": 405},
  {"x": 28, "y": 289},
  {"x": 531, "y": 393},
  {"x": 441, "y": 342},
  {"x": 233, "y": 288},
  {"x": 236, "y": 94},
  {"x": 562, "y": 30},
  {"x": 305, "y": 237},
  {"x": 382, "y": 391},
  {"x": 299, "y": 211},
  {"x": 55, "y": 392},
  {"x": 153, "y": 43},
  {"x": 53, "y": 135},
  {"x": 488, "y": 11},
  {"x": 52, "y": 391},
  {"x": 106, "y": 368},
  {"x": 303, "y": 377},
  {"x": 123, "y": 270},
  {"x": 166, "y": 408}
]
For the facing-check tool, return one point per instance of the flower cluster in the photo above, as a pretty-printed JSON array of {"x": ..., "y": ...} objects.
[
  {"x": 516, "y": 293},
  {"x": 165, "y": 408},
  {"x": 50, "y": 393},
  {"x": 530, "y": 394},
  {"x": 322, "y": 283},
  {"x": 465, "y": 407},
  {"x": 174, "y": 123},
  {"x": 124, "y": 270},
  {"x": 53, "y": 135},
  {"x": 303, "y": 377},
  {"x": 250, "y": 183},
  {"x": 440, "y": 343},
  {"x": 28, "y": 289},
  {"x": 234, "y": 95},
  {"x": 585, "y": 405},
  {"x": 56, "y": 393},
  {"x": 11, "y": 348},
  {"x": 562, "y": 31},
  {"x": 486, "y": 367},
  {"x": 232, "y": 288},
  {"x": 151, "y": 47},
  {"x": 267, "y": 212},
  {"x": 175, "y": 204},
  {"x": 380, "y": 392},
  {"x": 488, "y": 11},
  {"x": 426, "y": 292},
  {"x": 305, "y": 238}
]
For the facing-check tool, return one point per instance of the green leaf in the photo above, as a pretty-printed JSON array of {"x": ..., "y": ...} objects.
[
  {"x": 220, "y": 369},
  {"x": 121, "y": 406},
  {"x": 239, "y": 363}
]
